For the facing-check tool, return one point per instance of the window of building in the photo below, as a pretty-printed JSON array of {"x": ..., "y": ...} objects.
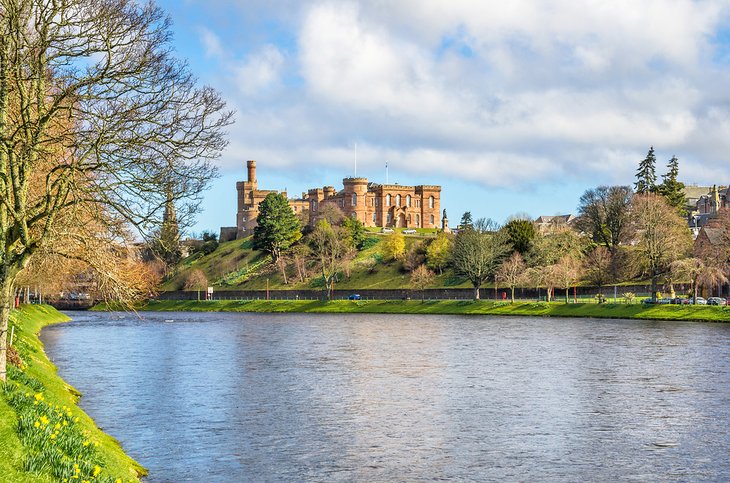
[
  {"x": 374, "y": 221},
  {"x": 354, "y": 199},
  {"x": 398, "y": 200},
  {"x": 377, "y": 202},
  {"x": 387, "y": 200},
  {"x": 314, "y": 206},
  {"x": 390, "y": 218},
  {"x": 432, "y": 220},
  {"x": 430, "y": 204},
  {"x": 408, "y": 201},
  {"x": 354, "y": 216},
  {"x": 418, "y": 221}
]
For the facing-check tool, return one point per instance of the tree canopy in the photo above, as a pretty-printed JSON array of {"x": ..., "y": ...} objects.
[
  {"x": 521, "y": 233},
  {"x": 673, "y": 189},
  {"x": 477, "y": 253}
]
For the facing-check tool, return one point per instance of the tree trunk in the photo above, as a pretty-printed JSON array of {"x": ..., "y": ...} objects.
[
  {"x": 567, "y": 292},
  {"x": 513, "y": 294},
  {"x": 6, "y": 305},
  {"x": 476, "y": 292},
  {"x": 653, "y": 288}
]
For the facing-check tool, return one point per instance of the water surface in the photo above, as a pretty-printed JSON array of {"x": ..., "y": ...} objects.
[{"x": 356, "y": 397}]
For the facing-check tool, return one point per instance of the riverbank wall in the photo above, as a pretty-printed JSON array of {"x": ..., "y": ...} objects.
[
  {"x": 452, "y": 307},
  {"x": 45, "y": 436}
]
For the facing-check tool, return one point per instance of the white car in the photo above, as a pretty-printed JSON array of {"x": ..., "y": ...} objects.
[
  {"x": 700, "y": 301},
  {"x": 409, "y": 231},
  {"x": 387, "y": 230}
]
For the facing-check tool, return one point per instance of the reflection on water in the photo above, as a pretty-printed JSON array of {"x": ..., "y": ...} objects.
[{"x": 241, "y": 397}]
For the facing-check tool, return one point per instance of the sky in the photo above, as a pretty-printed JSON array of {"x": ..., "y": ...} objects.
[{"x": 513, "y": 107}]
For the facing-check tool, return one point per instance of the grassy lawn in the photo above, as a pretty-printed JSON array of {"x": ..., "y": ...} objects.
[
  {"x": 35, "y": 393},
  {"x": 466, "y": 307}
]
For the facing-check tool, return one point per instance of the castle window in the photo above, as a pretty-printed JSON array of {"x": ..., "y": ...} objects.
[
  {"x": 387, "y": 200},
  {"x": 354, "y": 216},
  {"x": 377, "y": 202},
  {"x": 354, "y": 199},
  {"x": 390, "y": 217},
  {"x": 432, "y": 220},
  {"x": 418, "y": 221},
  {"x": 430, "y": 204},
  {"x": 408, "y": 201},
  {"x": 374, "y": 220},
  {"x": 398, "y": 200}
]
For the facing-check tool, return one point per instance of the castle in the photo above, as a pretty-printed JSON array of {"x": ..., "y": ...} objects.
[{"x": 375, "y": 205}]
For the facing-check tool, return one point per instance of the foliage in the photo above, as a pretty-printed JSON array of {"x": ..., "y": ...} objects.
[
  {"x": 393, "y": 247},
  {"x": 196, "y": 280},
  {"x": 477, "y": 254},
  {"x": 566, "y": 273},
  {"x": 438, "y": 253},
  {"x": 355, "y": 232},
  {"x": 511, "y": 273},
  {"x": 521, "y": 233},
  {"x": 277, "y": 226},
  {"x": 646, "y": 174},
  {"x": 549, "y": 248},
  {"x": 415, "y": 256},
  {"x": 672, "y": 189},
  {"x": 210, "y": 243},
  {"x": 603, "y": 213}
]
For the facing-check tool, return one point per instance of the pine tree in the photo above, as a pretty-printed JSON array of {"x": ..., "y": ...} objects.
[
  {"x": 646, "y": 174},
  {"x": 672, "y": 189},
  {"x": 277, "y": 226}
]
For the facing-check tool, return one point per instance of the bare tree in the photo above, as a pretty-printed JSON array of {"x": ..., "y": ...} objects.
[
  {"x": 421, "y": 277},
  {"x": 478, "y": 251},
  {"x": 699, "y": 274},
  {"x": 597, "y": 267},
  {"x": 566, "y": 273},
  {"x": 329, "y": 248},
  {"x": 196, "y": 280},
  {"x": 95, "y": 109},
  {"x": 511, "y": 273},
  {"x": 660, "y": 234},
  {"x": 604, "y": 214}
]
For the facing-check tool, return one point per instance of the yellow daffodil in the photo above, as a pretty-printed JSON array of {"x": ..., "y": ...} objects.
[
  {"x": 36, "y": 424},
  {"x": 44, "y": 420},
  {"x": 39, "y": 396},
  {"x": 97, "y": 470}
]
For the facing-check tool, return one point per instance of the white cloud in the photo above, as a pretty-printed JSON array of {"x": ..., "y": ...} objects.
[{"x": 502, "y": 94}]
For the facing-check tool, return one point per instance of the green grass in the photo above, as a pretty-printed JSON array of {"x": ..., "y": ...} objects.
[
  {"x": 64, "y": 435},
  {"x": 466, "y": 307},
  {"x": 235, "y": 265}
]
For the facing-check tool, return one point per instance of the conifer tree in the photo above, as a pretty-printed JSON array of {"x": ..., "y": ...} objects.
[
  {"x": 277, "y": 226},
  {"x": 672, "y": 189},
  {"x": 646, "y": 174}
]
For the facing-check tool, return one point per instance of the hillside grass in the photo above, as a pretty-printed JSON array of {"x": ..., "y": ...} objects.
[
  {"x": 455, "y": 307},
  {"x": 235, "y": 265},
  {"x": 20, "y": 400}
]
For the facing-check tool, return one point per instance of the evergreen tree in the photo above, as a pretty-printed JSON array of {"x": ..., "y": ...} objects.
[
  {"x": 277, "y": 226},
  {"x": 520, "y": 233},
  {"x": 355, "y": 230},
  {"x": 466, "y": 221},
  {"x": 646, "y": 174},
  {"x": 672, "y": 189}
]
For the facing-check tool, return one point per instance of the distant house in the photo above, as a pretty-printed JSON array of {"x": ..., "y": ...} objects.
[
  {"x": 549, "y": 223},
  {"x": 703, "y": 203}
]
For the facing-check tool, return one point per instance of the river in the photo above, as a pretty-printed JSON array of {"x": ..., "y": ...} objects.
[{"x": 301, "y": 397}]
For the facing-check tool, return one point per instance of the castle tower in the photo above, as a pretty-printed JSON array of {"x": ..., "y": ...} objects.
[{"x": 355, "y": 190}]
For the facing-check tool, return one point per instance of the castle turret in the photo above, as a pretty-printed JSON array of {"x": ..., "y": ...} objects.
[{"x": 251, "y": 165}]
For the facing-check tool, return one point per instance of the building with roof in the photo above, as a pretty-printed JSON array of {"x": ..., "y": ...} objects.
[{"x": 374, "y": 204}]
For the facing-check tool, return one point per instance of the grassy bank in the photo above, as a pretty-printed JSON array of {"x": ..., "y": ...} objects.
[
  {"x": 44, "y": 435},
  {"x": 466, "y": 307}
]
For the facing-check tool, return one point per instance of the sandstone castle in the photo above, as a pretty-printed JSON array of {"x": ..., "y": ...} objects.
[{"x": 375, "y": 205}]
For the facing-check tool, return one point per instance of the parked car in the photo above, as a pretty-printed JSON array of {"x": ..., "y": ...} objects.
[
  {"x": 387, "y": 230},
  {"x": 716, "y": 301},
  {"x": 680, "y": 301},
  {"x": 648, "y": 301},
  {"x": 665, "y": 301},
  {"x": 354, "y": 296},
  {"x": 700, "y": 301},
  {"x": 409, "y": 231}
]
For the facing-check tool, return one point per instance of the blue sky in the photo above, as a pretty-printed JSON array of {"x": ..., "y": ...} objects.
[{"x": 513, "y": 107}]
